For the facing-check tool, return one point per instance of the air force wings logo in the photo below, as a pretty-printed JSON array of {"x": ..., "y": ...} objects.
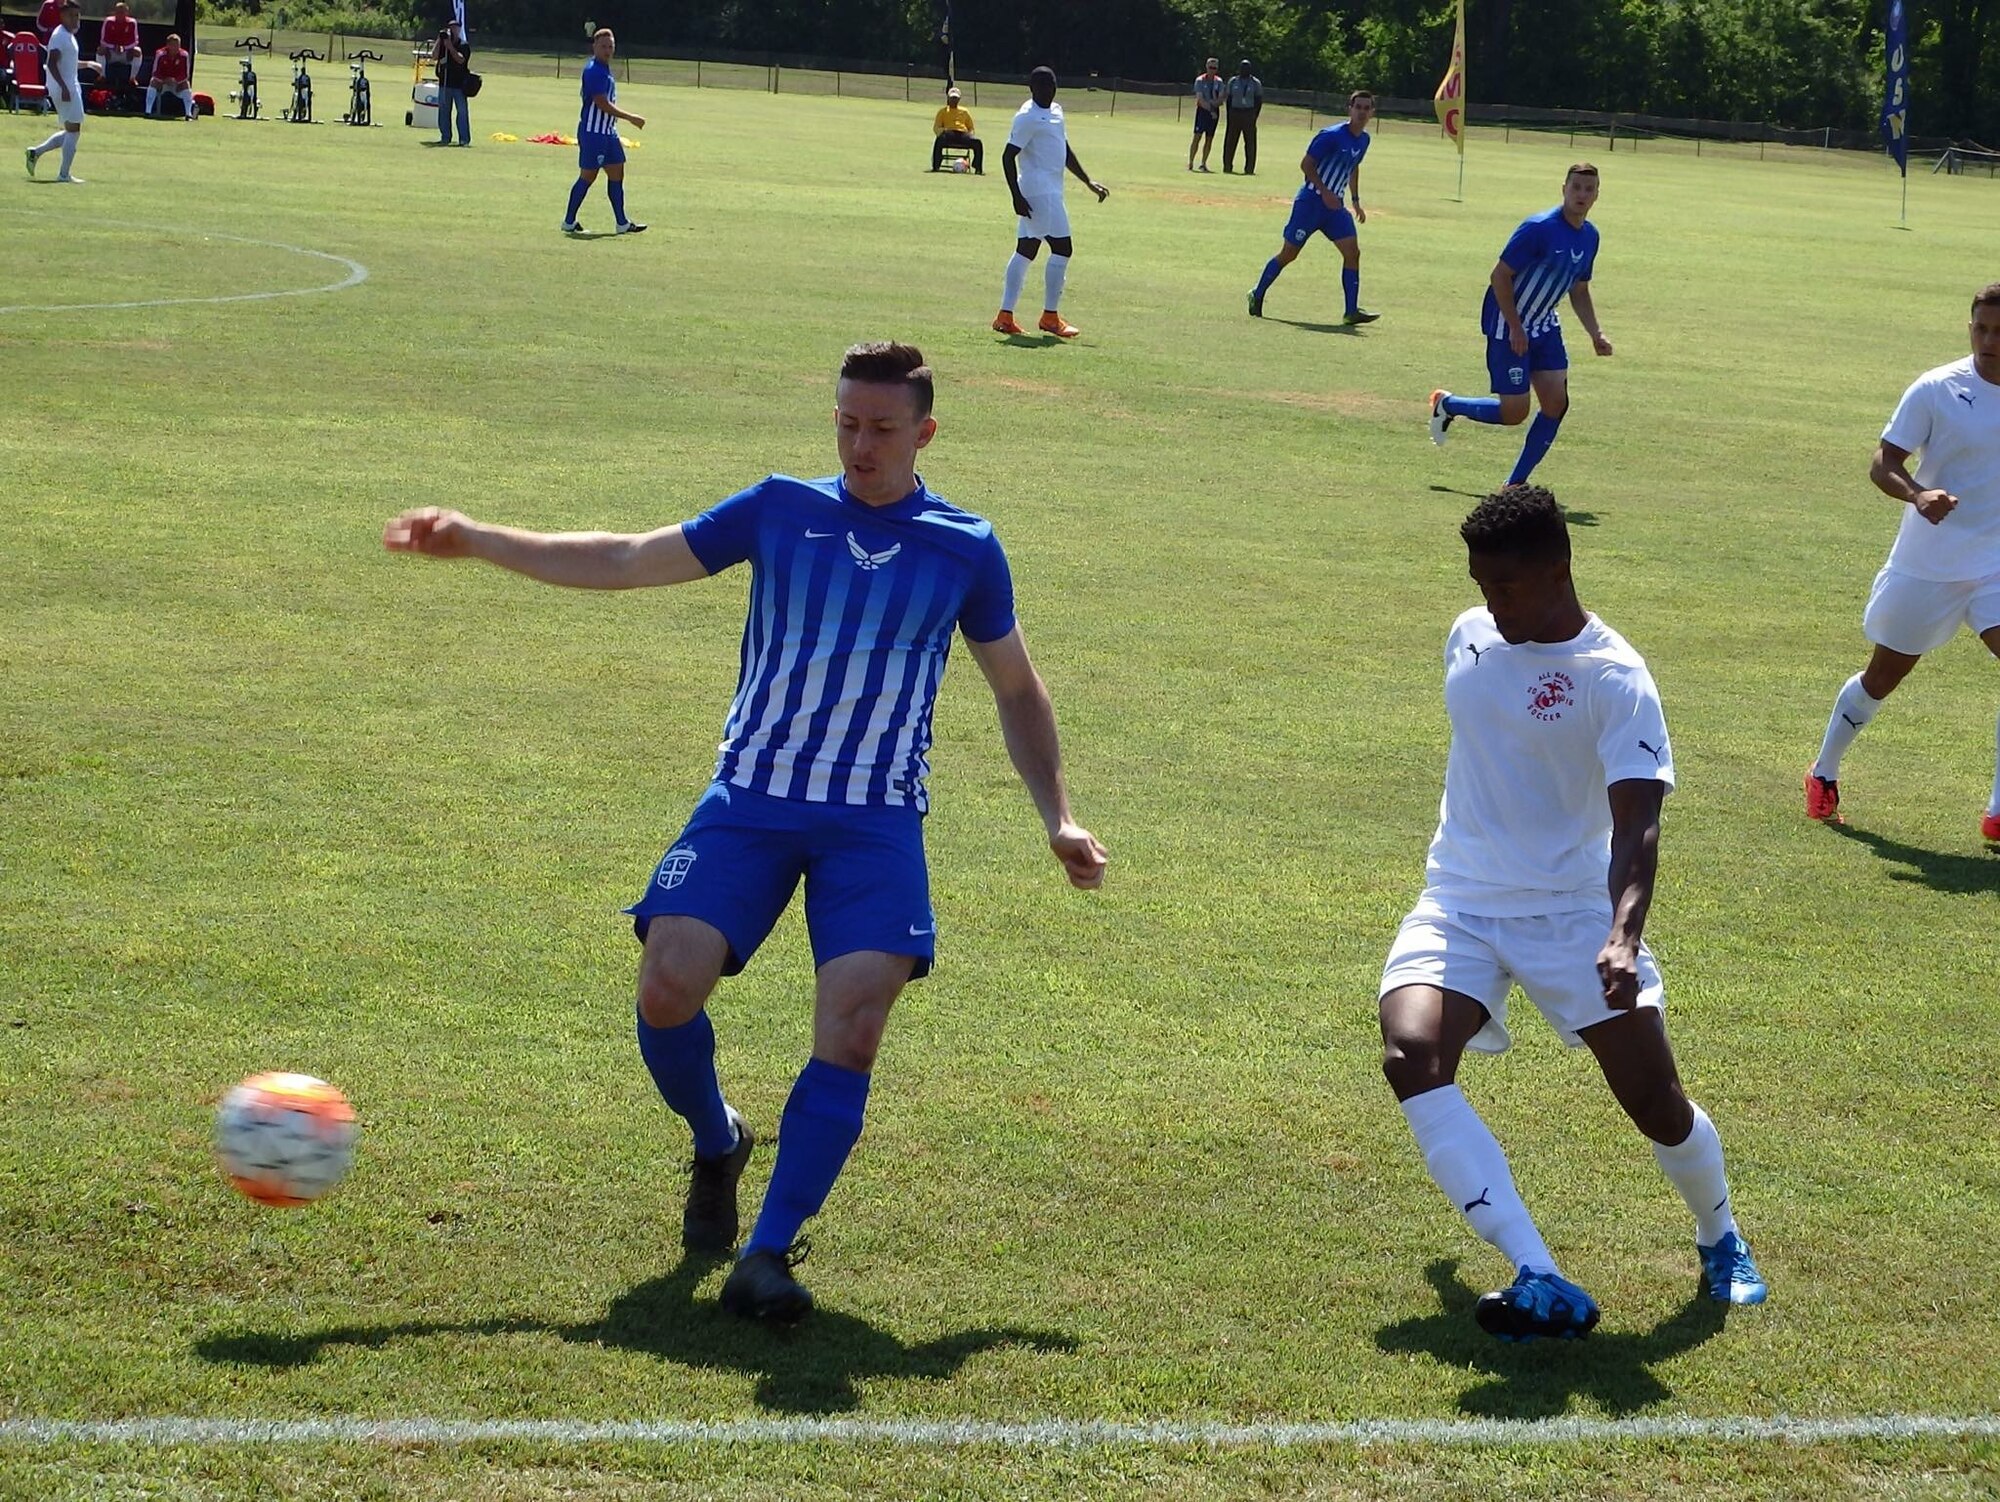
[{"x": 866, "y": 561}]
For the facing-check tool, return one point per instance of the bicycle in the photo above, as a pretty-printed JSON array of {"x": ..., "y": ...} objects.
[
  {"x": 246, "y": 86},
  {"x": 360, "y": 110},
  {"x": 301, "y": 112}
]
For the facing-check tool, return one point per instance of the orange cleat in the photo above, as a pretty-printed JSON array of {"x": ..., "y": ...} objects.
[
  {"x": 1822, "y": 798},
  {"x": 1989, "y": 828},
  {"x": 1052, "y": 323},
  {"x": 1004, "y": 323}
]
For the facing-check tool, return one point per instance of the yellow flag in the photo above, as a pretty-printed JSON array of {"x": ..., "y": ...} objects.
[{"x": 1450, "y": 97}]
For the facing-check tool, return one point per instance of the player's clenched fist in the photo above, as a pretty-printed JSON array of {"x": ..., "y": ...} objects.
[{"x": 430, "y": 530}]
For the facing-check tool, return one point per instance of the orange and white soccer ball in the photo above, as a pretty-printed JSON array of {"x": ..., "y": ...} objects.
[{"x": 285, "y": 1139}]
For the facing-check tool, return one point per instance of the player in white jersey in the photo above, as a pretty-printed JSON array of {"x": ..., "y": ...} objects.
[
  {"x": 1944, "y": 569},
  {"x": 1036, "y": 157},
  {"x": 67, "y": 93},
  {"x": 858, "y": 587},
  {"x": 1540, "y": 875}
]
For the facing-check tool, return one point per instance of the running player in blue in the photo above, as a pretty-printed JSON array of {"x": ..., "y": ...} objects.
[
  {"x": 1551, "y": 254},
  {"x": 857, "y": 585},
  {"x": 598, "y": 148},
  {"x": 1332, "y": 168}
]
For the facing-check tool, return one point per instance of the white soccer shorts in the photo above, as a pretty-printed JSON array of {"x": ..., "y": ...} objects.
[
  {"x": 1050, "y": 221},
  {"x": 1552, "y": 958},
  {"x": 1914, "y": 616},
  {"x": 69, "y": 111}
]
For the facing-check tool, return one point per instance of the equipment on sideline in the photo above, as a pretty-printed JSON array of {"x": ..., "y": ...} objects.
[
  {"x": 301, "y": 112},
  {"x": 425, "y": 91},
  {"x": 246, "y": 85},
  {"x": 359, "y": 111},
  {"x": 285, "y": 1139}
]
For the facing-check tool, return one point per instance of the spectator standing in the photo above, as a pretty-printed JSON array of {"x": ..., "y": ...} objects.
[
  {"x": 1246, "y": 103},
  {"x": 1209, "y": 88},
  {"x": 953, "y": 127},
  {"x": 173, "y": 73},
  {"x": 449, "y": 57}
]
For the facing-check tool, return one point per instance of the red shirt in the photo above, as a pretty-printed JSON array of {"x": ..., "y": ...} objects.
[
  {"x": 115, "y": 35},
  {"x": 170, "y": 67},
  {"x": 49, "y": 18}
]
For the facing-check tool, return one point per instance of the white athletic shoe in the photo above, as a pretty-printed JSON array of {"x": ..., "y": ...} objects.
[
  {"x": 1440, "y": 419},
  {"x": 631, "y": 227},
  {"x": 66, "y": 178},
  {"x": 571, "y": 227}
]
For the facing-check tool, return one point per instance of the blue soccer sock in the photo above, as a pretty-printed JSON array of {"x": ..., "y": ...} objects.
[
  {"x": 1541, "y": 433},
  {"x": 615, "y": 188},
  {"x": 819, "y": 1127},
  {"x": 1350, "y": 283},
  {"x": 682, "y": 1063},
  {"x": 1474, "y": 408},
  {"x": 576, "y": 196},
  {"x": 1271, "y": 269}
]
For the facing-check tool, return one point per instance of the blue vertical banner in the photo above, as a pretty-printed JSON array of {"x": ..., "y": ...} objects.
[{"x": 1896, "y": 93}]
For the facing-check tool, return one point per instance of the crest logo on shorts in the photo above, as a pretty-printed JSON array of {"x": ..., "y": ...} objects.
[
  {"x": 1549, "y": 695},
  {"x": 866, "y": 561},
  {"x": 1516, "y": 374},
  {"x": 674, "y": 867}
]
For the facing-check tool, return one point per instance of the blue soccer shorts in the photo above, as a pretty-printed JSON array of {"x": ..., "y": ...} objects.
[
  {"x": 1510, "y": 371},
  {"x": 593, "y": 152},
  {"x": 743, "y": 854},
  {"x": 1310, "y": 216}
]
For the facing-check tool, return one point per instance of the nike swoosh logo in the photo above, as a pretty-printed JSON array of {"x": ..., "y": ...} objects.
[
  {"x": 918, "y": 933},
  {"x": 811, "y": 533}
]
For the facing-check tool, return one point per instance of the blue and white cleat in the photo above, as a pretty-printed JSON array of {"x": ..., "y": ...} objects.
[
  {"x": 1730, "y": 1272},
  {"x": 1537, "y": 1305}
]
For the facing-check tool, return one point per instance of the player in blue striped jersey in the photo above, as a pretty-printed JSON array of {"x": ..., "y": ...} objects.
[
  {"x": 857, "y": 586},
  {"x": 1549, "y": 256},
  {"x": 598, "y": 148},
  {"x": 1332, "y": 168}
]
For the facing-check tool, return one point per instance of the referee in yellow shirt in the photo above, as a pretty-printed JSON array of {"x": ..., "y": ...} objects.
[{"x": 953, "y": 127}]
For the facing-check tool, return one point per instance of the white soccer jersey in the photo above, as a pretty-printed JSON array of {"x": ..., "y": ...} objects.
[
  {"x": 1539, "y": 730},
  {"x": 1950, "y": 419},
  {"x": 62, "y": 62},
  {"x": 1044, "y": 147}
]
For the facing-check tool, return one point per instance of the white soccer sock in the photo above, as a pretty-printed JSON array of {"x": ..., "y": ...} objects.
[
  {"x": 1694, "y": 1167},
  {"x": 51, "y": 143},
  {"x": 1017, "y": 273},
  {"x": 1466, "y": 1160},
  {"x": 68, "y": 150},
  {"x": 1994, "y": 806},
  {"x": 1053, "y": 277},
  {"x": 1851, "y": 711}
]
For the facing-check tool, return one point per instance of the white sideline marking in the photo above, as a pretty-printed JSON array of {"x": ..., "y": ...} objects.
[
  {"x": 356, "y": 274},
  {"x": 1058, "y": 1434}
]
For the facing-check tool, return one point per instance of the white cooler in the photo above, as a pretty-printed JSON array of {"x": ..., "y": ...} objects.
[{"x": 423, "y": 111}]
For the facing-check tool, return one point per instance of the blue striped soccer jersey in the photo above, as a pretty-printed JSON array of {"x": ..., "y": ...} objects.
[{"x": 1548, "y": 256}]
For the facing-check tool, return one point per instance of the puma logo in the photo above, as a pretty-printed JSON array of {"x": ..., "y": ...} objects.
[
  {"x": 1470, "y": 1205},
  {"x": 1850, "y": 719},
  {"x": 1656, "y": 754},
  {"x": 1477, "y": 652}
]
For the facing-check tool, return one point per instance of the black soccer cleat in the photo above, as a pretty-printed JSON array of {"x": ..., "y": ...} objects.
[
  {"x": 710, "y": 1222},
  {"x": 761, "y": 1286},
  {"x": 1256, "y": 306}
]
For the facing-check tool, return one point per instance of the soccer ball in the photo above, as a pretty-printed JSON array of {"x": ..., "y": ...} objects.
[{"x": 285, "y": 1139}]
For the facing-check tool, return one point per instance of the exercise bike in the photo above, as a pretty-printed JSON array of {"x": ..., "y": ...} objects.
[
  {"x": 301, "y": 112},
  {"x": 359, "y": 109},
  {"x": 246, "y": 86}
]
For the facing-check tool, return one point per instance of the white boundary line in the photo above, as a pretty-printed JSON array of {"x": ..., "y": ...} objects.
[
  {"x": 1045, "y": 1434},
  {"x": 356, "y": 274}
]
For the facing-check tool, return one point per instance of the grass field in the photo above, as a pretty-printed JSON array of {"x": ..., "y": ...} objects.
[{"x": 272, "y": 798}]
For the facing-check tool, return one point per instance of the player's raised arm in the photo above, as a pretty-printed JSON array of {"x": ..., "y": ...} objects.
[
  {"x": 577, "y": 560},
  {"x": 1028, "y": 725}
]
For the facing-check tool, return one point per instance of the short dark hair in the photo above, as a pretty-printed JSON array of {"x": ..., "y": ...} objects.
[
  {"x": 1042, "y": 74},
  {"x": 1588, "y": 169},
  {"x": 1522, "y": 521},
  {"x": 1358, "y": 95},
  {"x": 883, "y": 362},
  {"x": 1987, "y": 296}
]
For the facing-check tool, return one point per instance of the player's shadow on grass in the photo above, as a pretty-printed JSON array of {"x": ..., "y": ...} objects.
[
  {"x": 1539, "y": 1378},
  {"x": 1352, "y": 331},
  {"x": 811, "y": 1369},
  {"x": 1952, "y": 871}
]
